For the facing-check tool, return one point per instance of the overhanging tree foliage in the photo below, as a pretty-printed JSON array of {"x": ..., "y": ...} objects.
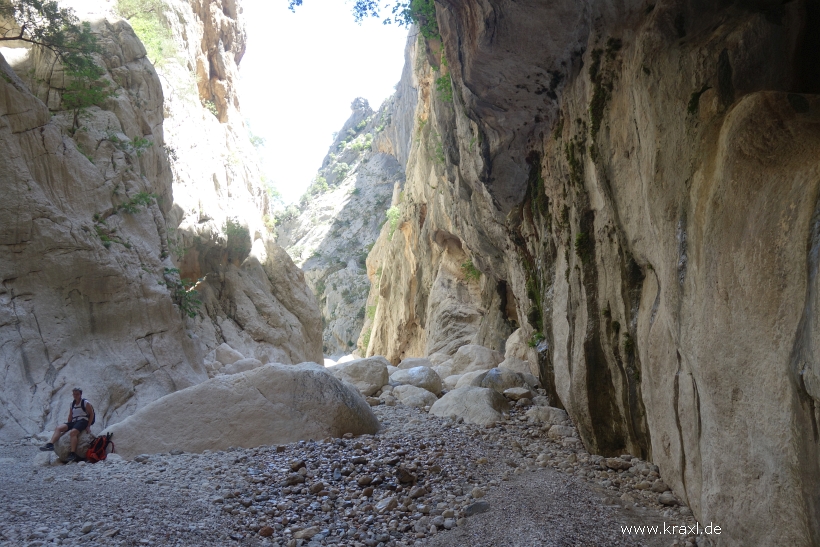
[
  {"x": 402, "y": 12},
  {"x": 45, "y": 24}
]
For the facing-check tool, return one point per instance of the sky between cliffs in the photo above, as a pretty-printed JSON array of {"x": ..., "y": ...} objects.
[{"x": 299, "y": 75}]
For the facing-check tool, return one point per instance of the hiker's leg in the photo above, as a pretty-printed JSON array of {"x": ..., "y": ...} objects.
[
  {"x": 58, "y": 432},
  {"x": 75, "y": 436}
]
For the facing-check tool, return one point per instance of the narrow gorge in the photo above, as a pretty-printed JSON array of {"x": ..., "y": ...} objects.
[{"x": 580, "y": 238}]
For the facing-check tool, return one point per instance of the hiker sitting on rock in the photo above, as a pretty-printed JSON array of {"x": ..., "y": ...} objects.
[{"x": 80, "y": 418}]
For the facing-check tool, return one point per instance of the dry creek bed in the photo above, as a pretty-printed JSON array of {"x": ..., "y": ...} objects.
[{"x": 421, "y": 480}]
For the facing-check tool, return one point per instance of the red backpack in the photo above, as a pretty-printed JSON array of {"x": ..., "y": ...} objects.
[{"x": 98, "y": 449}]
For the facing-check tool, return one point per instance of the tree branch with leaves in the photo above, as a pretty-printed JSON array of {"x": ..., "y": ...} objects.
[{"x": 43, "y": 23}]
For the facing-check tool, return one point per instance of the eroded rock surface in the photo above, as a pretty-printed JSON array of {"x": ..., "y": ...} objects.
[
  {"x": 628, "y": 198},
  {"x": 104, "y": 214}
]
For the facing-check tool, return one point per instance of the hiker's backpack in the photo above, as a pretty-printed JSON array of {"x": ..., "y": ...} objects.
[
  {"x": 82, "y": 405},
  {"x": 98, "y": 449}
]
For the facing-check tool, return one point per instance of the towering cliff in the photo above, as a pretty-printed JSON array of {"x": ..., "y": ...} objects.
[
  {"x": 632, "y": 188},
  {"x": 107, "y": 209},
  {"x": 331, "y": 231}
]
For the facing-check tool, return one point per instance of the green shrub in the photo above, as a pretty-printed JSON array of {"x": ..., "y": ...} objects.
[
  {"x": 132, "y": 205},
  {"x": 470, "y": 271},
  {"x": 147, "y": 19},
  {"x": 210, "y": 106},
  {"x": 182, "y": 292},
  {"x": 340, "y": 170},
  {"x": 535, "y": 339},
  {"x": 393, "y": 215},
  {"x": 239, "y": 237},
  {"x": 583, "y": 247},
  {"x": 445, "y": 88}
]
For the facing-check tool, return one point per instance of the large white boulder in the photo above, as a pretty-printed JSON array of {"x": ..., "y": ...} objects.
[
  {"x": 472, "y": 378},
  {"x": 423, "y": 377},
  {"x": 501, "y": 379},
  {"x": 226, "y": 355},
  {"x": 451, "y": 382},
  {"x": 547, "y": 415},
  {"x": 468, "y": 359},
  {"x": 413, "y": 362},
  {"x": 438, "y": 358},
  {"x": 243, "y": 365},
  {"x": 414, "y": 396},
  {"x": 476, "y": 405},
  {"x": 516, "y": 365},
  {"x": 518, "y": 346},
  {"x": 273, "y": 404},
  {"x": 368, "y": 375}
]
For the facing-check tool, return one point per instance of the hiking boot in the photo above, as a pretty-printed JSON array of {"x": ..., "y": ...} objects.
[
  {"x": 47, "y": 448},
  {"x": 72, "y": 457}
]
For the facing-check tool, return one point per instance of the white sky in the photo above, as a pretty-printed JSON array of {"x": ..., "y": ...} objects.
[{"x": 299, "y": 75}]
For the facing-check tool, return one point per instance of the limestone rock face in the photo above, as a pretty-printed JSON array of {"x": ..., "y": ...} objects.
[
  {"x": 423, "y": 377},
  {"x": 476, "y": 405},
  {"x": 253, "y": 297},
  {"x": 632, "y": 190},
  {"x": 103, "y": 217},
  {"x": 83, "y": 296},
  {"x": 226, "y": 355},
  {"x": 274, "y": 404},
  {"x": 367, "y": 375},
  {"x": 243, "y": 365},
  {"x": 337, "y": 221}
]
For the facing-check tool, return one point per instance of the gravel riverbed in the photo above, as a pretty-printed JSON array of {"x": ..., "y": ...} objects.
[{"x": 421, "y": 480}]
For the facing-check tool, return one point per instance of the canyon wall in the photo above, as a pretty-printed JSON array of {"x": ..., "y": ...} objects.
[
  {"x": 106, "y": 210},
  {"x": 338, "y": 219},
  {"x": 628, "y": 193}
]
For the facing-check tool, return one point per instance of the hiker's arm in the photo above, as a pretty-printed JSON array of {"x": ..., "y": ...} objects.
[
  {"x": 90, "y": 411},
  {"x": 70, "y": 413}
]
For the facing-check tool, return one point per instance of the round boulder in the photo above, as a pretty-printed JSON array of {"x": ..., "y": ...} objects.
[
  {"x": 502, "y": 379},
  {"x": 472, "y": 378},
  {"x": 414, "y": 396},
  {"x": 476, "y": 405},
  {"x": 63, "y": 445},
  {"x": 423, "y": 377},
  {"x": 368, "y": 375}
]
